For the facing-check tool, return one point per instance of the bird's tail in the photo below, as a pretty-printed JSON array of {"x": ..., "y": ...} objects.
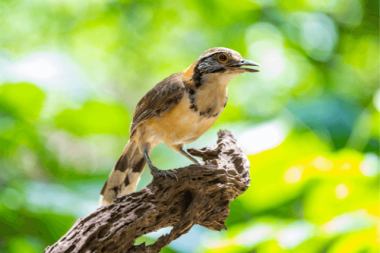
[{"x": 125, "y": 175}]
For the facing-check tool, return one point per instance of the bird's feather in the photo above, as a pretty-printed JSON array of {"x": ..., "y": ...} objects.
[{"x": 159, "y": 100}]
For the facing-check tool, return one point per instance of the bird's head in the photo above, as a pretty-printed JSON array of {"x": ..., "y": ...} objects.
[
  {"x": 219, "y": 62},
  {"x": 223, "y": 60}
]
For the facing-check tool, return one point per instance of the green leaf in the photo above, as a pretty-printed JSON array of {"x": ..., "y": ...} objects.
[
  {"x": 95, "y": 118},
  {"x": 269, "y": 186},
  {"x": 21, "y": 100}
]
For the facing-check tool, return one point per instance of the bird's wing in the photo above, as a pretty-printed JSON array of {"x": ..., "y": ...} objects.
[{"x": 159, "y": 100}]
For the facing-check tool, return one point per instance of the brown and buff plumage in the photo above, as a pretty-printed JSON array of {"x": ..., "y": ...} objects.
[{"x": 176, "y": 111}]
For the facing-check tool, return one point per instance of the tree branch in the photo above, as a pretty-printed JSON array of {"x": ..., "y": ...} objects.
[{"x": 201, "y": 196}]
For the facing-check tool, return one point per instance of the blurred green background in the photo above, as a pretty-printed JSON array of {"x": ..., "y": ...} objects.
[{"x": 71, "y": 73}]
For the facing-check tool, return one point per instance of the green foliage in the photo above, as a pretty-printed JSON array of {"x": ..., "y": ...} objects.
[
  {"x": 71, "y": 73},
  {"x": 94, "y": 118},
  {"x": 280, "y": 187},
  {"x": 22, "y": 100}
]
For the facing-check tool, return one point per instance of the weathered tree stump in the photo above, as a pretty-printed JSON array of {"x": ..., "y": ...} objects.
[{"x": 201, "y": 196}]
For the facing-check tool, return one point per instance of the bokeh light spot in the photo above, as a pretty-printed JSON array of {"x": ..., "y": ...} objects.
[
  {"x": 323, "y": 164},
  {"x": 370, "y": 165},
  {"x": 293, "y": 175},
  {"x": 341, "y": 191}
]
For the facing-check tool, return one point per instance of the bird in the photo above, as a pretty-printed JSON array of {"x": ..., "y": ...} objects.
[{"x": 176, "y": 111}]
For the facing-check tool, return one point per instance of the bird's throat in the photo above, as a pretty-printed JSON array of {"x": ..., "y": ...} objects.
[{"x": 209, "y": 99}]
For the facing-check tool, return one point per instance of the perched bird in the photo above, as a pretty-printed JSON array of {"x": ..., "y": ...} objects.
[{"x": 176, "y": 111}]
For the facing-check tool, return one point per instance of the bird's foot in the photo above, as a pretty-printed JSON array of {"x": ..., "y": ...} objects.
[{"x": 163, "y": 173}]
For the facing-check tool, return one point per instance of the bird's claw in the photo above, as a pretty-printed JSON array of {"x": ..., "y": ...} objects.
[{"x": 163, "y": 173}]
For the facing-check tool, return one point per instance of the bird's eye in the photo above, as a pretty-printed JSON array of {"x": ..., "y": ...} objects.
[{"x": 223, "y": 58}]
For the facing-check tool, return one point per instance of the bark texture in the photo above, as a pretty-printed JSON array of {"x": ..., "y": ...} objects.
[{"x": 201, "y": 196}]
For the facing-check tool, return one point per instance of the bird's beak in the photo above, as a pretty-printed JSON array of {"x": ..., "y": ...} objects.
[{"x": 238, "y": 66}]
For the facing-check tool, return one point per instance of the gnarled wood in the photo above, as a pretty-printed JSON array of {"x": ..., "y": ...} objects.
[{"x": 201, "y": 196}]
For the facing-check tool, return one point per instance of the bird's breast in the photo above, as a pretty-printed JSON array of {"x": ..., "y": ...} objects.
[
  {"x": 190, "y": 119},
  {"x": 196, "y": 112}
]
